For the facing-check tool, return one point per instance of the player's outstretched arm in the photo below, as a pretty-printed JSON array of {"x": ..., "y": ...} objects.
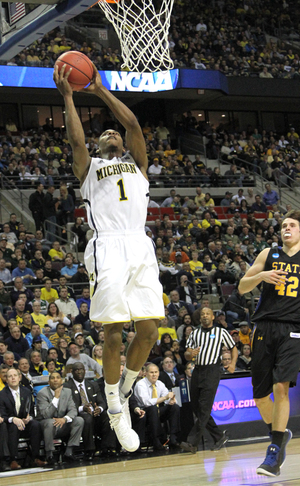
[
  {"x": 81, "y": 158},
  {"x": 134, "y": 136},
  {"x": 256, "y": 274}
]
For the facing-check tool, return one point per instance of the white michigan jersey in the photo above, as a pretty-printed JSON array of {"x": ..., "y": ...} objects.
[
  {"x": 116, "y": 195},
  {"x": 120, "y": 258}
]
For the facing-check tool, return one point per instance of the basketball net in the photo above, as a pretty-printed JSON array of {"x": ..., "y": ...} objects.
[{"x": 142, "y": 31}]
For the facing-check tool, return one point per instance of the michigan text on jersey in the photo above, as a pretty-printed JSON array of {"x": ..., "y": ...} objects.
[{"x": 115, "y": 169}]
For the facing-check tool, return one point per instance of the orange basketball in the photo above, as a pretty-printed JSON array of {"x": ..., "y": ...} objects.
[{"x": 82, "y": 68}]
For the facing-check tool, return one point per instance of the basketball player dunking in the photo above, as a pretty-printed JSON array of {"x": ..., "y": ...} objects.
[
  {"x": 276, "y": 336},
  {"x": 120, "y": 257}
]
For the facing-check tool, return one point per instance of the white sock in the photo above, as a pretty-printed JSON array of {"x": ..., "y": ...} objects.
[
  {"x": 127, "y": 380},
  {"x": 113, "y": 398}
]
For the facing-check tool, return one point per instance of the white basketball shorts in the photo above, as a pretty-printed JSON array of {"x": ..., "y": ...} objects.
[{"x": 123, "y": 275}]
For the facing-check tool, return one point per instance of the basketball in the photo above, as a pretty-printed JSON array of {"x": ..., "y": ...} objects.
[{"x": 82, "y": 68}]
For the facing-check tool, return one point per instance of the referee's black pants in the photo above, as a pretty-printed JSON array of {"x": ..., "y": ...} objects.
[{"x": 204, "y": 384}]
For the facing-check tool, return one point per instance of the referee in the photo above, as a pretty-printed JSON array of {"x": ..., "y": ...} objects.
[{"x": 205, "y": 344}]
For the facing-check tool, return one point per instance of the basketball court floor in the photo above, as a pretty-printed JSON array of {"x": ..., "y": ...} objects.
[{"x": 231, "y": 466}]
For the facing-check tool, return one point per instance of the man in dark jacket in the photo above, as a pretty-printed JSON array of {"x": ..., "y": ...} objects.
[
  {"x": 236, "y": 308},
  {"x": 92, "y": 408},
  {"x": 187, "y": 293},
  {"x": 176, "y": 304},
  {"x": 167, "y": 375},
  {"x": 16, "y": 343},
  {"x": 19, "y": 289},
  {"x": 36, "y": 205},
  {"x": 50, "y": 213},
  {"x": 80, "y": 277},
  {"x": 222, "y": 277}
]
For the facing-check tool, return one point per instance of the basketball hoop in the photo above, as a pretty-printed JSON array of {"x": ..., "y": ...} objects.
[{"x": 142, "y": 31}]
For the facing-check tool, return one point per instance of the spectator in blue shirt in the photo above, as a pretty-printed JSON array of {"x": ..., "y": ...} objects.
[
  {"x": 270, "y": 197},
  {"x": 85, "y": 298},
  {"x": 70, "y": 269},
  {"x": 24, "y": 272},
  {"x": 36, "y": 331}
]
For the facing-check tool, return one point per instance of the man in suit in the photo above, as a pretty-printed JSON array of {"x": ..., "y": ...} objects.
[
  {"x": 176, "y": 304},
  {"x": 167, "y": 375},
  {"x": 187, "y": 293},
  {"x": 57, "y": 413},
  {"x": 91, "y": 407},
  {"x": 26, "y": 378},
  {"x": 16, "y": 408}
]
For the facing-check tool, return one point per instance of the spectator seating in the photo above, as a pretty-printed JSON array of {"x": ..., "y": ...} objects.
[{"x": 226, "y": 291}]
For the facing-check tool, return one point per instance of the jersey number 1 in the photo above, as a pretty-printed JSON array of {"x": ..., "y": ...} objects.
[{"x": 123, "y": 197}]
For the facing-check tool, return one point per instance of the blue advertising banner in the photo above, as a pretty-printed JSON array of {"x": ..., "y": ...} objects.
[
  {"x": 122, "y": 81},
  {"x": 202, "y": 79},
  {"x": 234, "y": 402}
]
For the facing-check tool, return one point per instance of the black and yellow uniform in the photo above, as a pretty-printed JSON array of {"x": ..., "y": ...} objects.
[
  {"x": 280, "y": 303},
  {"x": 276, "y": 336}
]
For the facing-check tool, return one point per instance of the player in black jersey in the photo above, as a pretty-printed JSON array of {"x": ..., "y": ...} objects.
[{"x": 276, "y": 336}]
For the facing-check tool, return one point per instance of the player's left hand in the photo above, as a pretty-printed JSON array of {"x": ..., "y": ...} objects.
[
  {"x": 61, "y": 81},
  {"x": 95, "y": 85}
]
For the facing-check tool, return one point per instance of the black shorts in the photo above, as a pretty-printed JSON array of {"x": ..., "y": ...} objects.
[{"x": 275, "y": 356}]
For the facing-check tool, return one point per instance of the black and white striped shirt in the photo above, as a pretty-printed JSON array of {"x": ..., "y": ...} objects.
[{"x": 210, "y": 342}]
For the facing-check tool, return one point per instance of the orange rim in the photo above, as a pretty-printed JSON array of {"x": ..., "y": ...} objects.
[{"x": 106, "y": 1}]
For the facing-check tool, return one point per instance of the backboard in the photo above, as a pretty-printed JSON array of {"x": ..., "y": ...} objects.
[{"x": 25, "y": 29}]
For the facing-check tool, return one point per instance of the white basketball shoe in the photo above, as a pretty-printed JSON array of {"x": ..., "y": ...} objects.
[{"x": 127, "y": 437}]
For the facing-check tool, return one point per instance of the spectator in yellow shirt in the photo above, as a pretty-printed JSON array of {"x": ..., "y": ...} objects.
[
  {"x": 18, "y": 149},
  {"x": 208, "y": 221},
  {"x": 163, "y": 328},
  {"x": 32, "y": 59},
  {"x": 56, "y": 149},
  {"x": 194, "y": 224},
  {"x": 245, "y": 332},
  {"x": 169, "y": 151},
  {"x": 36, "y": 315},
  {"x": 53, "y": 47},
  {"x": 208, "y": 200},
  {"x": 293, "y": 133},
  {"x": 3, "y": 370},
  {"x": 196, "y": 266},
  {"x": 57, "y": 253},
  {"x": 166, "y": 299},
  {"x": 64, "y": 46},
  {"x": 199, "y": 196},
  {"x": 48, "y": 293}
]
